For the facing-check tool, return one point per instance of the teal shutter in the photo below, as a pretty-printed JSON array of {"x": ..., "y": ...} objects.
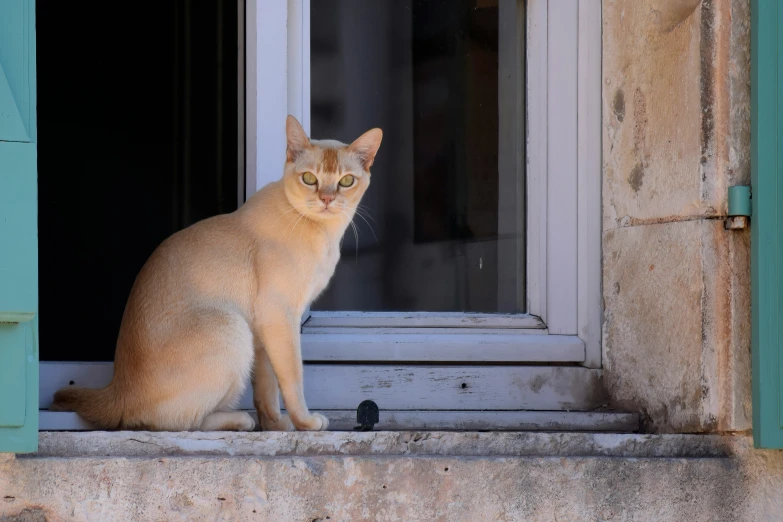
[
  {"x": 18, "y": 229},
  {"x": 767, "y": 224}
]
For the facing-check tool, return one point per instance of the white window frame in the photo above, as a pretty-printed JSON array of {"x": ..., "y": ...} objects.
[
  {"x": 563, "y": 174},
  {"x": 562, "y": 156},
  {"x": 564, "y": 169}
]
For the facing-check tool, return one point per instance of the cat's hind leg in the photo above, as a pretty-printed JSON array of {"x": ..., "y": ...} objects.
[
  {"x": 197, "y": 377},
  {"x": 228, "y": 421}
]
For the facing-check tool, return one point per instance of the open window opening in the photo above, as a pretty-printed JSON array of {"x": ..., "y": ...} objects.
[{"x": 138, "y": 138}]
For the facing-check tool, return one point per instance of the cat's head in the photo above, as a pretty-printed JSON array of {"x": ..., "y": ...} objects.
[{"x": 326, "y": 179}]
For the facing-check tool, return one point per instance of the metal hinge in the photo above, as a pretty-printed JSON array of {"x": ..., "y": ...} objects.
[{"x": 740, "y": 208}]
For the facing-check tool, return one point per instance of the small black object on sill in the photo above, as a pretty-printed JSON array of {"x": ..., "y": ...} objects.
[{"x": 367, "y": 416}]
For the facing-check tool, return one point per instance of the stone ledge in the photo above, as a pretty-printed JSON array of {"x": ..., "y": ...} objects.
[
  {"x": 130, "y": 476},
  {"x": 458, "y": 444},
  {"x": 378, "y": 487}
]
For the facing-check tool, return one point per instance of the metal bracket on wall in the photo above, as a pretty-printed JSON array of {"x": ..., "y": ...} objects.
[{"x": 739, "y": 208}]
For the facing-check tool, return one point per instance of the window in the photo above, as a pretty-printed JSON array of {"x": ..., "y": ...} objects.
[
  {"x": 544, "y": 127},
  {"x": 487, "y": 190}
]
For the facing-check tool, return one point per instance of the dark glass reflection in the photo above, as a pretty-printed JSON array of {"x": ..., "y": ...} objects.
[{"x": 425, "y": 71}]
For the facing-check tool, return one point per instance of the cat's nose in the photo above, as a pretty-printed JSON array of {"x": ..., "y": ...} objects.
[{"x": 327, "y": 198}]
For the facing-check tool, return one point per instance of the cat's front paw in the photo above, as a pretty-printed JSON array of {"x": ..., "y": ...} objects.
[
  {"x": 314, "y": 422},
  {"x": 284, "y": 424}
]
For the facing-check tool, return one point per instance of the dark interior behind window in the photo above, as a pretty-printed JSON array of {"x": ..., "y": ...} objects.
[{"x": 137, "y": 119}]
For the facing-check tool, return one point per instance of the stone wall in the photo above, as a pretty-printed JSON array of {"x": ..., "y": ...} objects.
[{"x": 676, "y": 135}]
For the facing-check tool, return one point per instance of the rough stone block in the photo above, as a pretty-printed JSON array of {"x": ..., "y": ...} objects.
[
  {"x": 652, "y": 110},
  {"x": 671, "y": 296},
  {"x": 653, "y": 291}
]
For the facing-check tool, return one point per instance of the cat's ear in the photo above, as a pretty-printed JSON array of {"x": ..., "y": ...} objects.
[
  {"x": 297, "y": 140},
  {"x": 366, "y": 147}
]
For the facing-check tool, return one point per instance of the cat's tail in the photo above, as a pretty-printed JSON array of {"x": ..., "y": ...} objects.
[{"x": 97, "y": 406}]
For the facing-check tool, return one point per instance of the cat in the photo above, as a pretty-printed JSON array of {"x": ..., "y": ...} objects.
[{"x": 222, "y": 300}]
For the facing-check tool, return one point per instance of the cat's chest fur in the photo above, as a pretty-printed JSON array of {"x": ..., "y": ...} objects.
[{"x": 324, "y": 269}]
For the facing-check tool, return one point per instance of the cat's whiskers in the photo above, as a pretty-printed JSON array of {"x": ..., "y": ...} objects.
[
  {"x": 357, "y": 212},
  {"x": 288, "y": 211},
  {"x": 355, "y": 231},
  {"x": 293, "y": 229},
  {"x": 366, "y": 210}
]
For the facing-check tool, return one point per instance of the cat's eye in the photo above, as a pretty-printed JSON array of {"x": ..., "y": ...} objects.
[
  {"x": 346, "y": 181},
  {"x": 309, "y": 178}
]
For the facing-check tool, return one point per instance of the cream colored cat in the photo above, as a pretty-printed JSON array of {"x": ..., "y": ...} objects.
[{"x": 222, "y": 300}]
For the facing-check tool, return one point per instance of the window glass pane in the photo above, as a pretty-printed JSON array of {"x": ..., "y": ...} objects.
[{"x": 432, "y": 235}]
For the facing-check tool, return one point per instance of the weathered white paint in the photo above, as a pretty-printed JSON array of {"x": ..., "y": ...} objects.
[
  {"x": 536, "y": 172},
  {"x": 277, "y": 83},
  {"x": 590, "y": 302},
  {"x": 422, "y": 320},
  {"x": 298, "y": 34},
  {"x": 394, "y": 420},
  {"x": 564, "y": 168},
  {"x": 267, "y": 91},
  {"x": 561, "y": 283},
  {"x": 394, "y": 330},
  {"x": 457, "y": 346},
  {"x": 398, "y": 387}
]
